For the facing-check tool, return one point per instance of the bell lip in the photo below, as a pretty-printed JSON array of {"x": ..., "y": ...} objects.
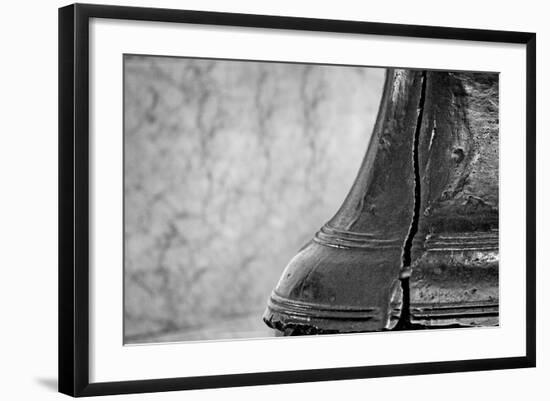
[
  {"x": 459, "y": 322},
  {"x": 311, "y": 318},
  {"x": 462, "y": 314},
  {"x": 282, "y": 304}
]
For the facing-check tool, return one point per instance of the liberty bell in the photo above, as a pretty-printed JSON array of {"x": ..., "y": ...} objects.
[{"x": 415, "y": 243}]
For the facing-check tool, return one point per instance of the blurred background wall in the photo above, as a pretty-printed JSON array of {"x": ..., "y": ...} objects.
[{"x": 230, "y": 167}]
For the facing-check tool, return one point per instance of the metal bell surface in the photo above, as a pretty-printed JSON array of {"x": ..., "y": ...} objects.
[
  {"x": 347, "y": 278},
  {"x": 454, "y": 257}
]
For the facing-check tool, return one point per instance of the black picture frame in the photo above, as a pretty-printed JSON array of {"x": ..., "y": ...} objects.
[{"x": 74, "y": 198}]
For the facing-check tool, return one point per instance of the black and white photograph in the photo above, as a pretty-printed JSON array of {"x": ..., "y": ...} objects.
[{"x": 270, "y": 199}]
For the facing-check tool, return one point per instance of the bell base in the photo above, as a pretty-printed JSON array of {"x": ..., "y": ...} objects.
[
  {"x": 457, "y": 315},
  {"x": 455, "y": 280},
  {"x": 302, "y": 318},
  {"x": 291, "y": 325}
]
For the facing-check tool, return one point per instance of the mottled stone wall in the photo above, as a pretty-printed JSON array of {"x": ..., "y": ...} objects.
[{"x": 230, "y": 167}]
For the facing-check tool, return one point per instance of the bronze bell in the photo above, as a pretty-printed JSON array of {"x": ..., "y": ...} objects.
[{"x": 424, "y": 205}]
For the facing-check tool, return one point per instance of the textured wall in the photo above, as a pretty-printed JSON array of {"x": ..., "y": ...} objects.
[{"x": 230, "y": 167}]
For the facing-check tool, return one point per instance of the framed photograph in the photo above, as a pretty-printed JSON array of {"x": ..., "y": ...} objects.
[{"x": 252, "y": 199}]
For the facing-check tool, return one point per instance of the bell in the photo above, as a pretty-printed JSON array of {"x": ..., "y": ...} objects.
[
  {"x": 347, "y": 278},
  {"x": 454, "y": 256}
]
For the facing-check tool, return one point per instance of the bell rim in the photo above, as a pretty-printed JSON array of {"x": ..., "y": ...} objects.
[{"x": 283, "y": 305}]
